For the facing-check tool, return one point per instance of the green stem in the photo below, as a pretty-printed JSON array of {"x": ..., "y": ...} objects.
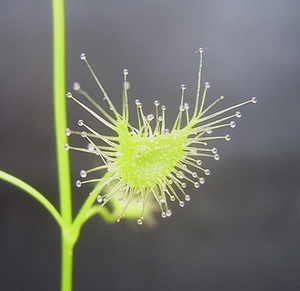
[
  {"x": 67, "y": 261},
  {"x": 63, "y": 165},
  {"x": 60, "y": 110},
  {"x": 69, "y": 230}
]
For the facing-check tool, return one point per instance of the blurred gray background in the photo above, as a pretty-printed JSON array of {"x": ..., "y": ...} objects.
[{"x": 241, "y": 231}]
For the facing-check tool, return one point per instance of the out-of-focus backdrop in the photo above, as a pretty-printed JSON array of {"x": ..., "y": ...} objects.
[{"x": 241, "y": 230}]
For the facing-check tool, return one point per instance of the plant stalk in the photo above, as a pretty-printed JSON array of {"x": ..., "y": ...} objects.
[
  {"x": 67, "y": 262},
  {"x": 60, "y": 120}
]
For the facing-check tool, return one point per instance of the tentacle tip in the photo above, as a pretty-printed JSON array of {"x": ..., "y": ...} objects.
[
  {"x": 254, "y": 100},
  {"x": 200, "y": 50},
  {"x": 68, "y": 131},
  {"x": 76, "y": 86},
  {"x": 83, "y": 56}
]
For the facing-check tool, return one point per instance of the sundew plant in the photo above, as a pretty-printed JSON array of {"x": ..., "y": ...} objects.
[
  {"x": 150, "y": 159},
  {"x": 146, "y": 165}
]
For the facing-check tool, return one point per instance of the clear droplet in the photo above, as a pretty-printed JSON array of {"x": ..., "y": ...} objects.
[
  {"x": 214, "y": 150},
  {"x": 68, "y": 131},
  {"x": 90, "y": 147},
  {"x": 207, "y": 172},
  {"x": 83, "y": 174},
  {"x": 186, "y": 106},
  {"x": 69, "y": 95},
  {"x": 179, "y": 175},
  {"x": 76, "y": 86},
  {"x": 199, "y": 162},
  {"x": 202, "y": 180},
  {"x": 254, "y": 100},
  {"x": 183, "y": 185},
  {"x": 125, "y": 72},
  {"x": 150, "y": 117},
  {"x": 156, "y": 103},
  {"x": 83, "y": 56},
  {"x": 181, "y": 108},
  {"x": 169, "y": 212},
  {"x": 238, "y": 114},
  {"x": 66, "y": 147},
  {"x": 83, "y": 134},
  {"x": 139, "y": 221},
  {"x": 161, "y": 199},
  {"x": 163, "y": 107},
  {"x": 201, "y": 49},
  {"x": 187, "y": 198},
  {"x": 78, "y": 183},
  {"x": 194, "y": 174},
  {"x": 172, "y": 198},
  {"x": 80, "y": 122},
  {"x": 209, "y": 131},
  {"x": 183, "y": 87},
  {"x": 197, "y": 184},
  {"x": 99, "y": 198},
  {"x": 227, "y": 137},
  {"x": 163, "y": 214},
  {"x": 181, "y": 203},
  {"x": 207, "y": 85},
  {"x": 232, "y": 124},
  {"x": 216, "y": 157}
]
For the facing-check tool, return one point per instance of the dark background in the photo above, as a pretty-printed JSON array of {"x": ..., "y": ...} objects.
[{"x": 241, "y": 229}]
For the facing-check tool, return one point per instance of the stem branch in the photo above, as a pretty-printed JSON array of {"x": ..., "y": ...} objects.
[{"x": 35, "y": 194}]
